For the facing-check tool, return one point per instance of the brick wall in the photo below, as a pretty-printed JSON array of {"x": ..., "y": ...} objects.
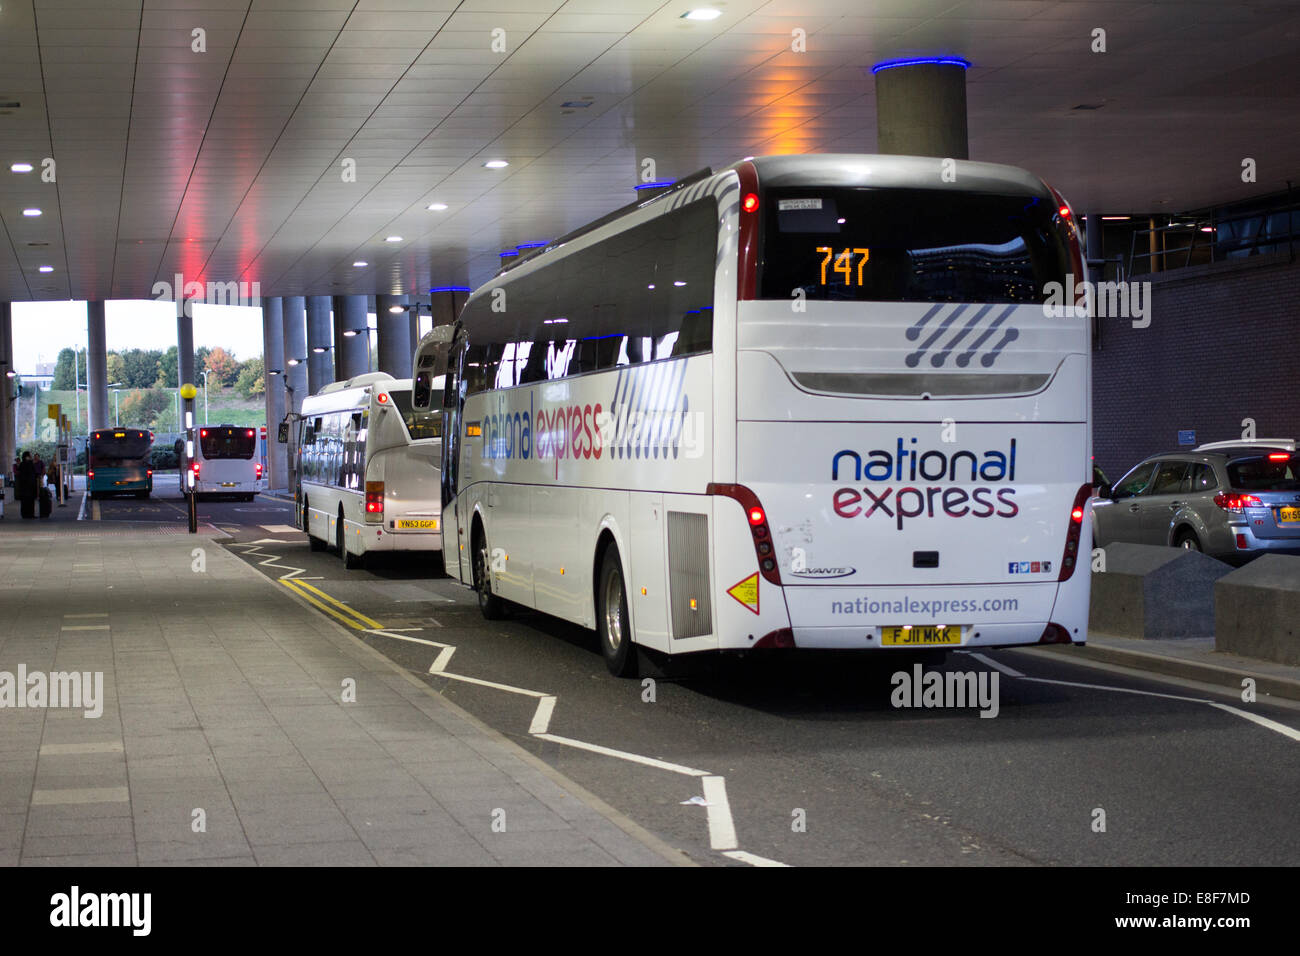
[{"x": 1223, "y": 345}]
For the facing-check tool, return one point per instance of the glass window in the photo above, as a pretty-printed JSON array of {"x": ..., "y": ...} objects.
[
  {"x": 115, "y": 448},
  {"x": 1136, "y": 481},
  {"x": 419, "y": 424},
  {"x": 1169, "y": 478},
  {"x": 1265, "y": 474},
  {"x": 641, "y": 295},
  {"x": 1202, "y": 478},
  {"x": 909, "y": 245},
  {"x": 217, "y": 443}
]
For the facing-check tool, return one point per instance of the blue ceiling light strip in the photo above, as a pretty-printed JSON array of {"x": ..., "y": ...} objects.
[
  {"x": 532, "y": 245},
  {"x": 659, "y": 185},
  {"x": 922, "y": 60},
  {"x": 508, "y": 254},
  {"x": 450, "y": 288}
]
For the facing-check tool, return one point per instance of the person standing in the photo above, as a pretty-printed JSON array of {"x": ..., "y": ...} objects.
[{"x": 26, "y": 487}]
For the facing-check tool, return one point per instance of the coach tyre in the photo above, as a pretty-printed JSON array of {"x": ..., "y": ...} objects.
[
  {"x": 613, "y": 622},
  {"x": 316, "y": 544},
  {"x": 491, "y": 606}
]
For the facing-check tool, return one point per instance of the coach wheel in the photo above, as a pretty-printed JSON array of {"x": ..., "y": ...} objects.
[
  {"x": 613, "y": 622},
  {"x": 492, "y": 607},
  {"x": 316, "y": 544}
]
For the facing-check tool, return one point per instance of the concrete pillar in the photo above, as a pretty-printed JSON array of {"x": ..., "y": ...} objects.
[
  {"x": 294, "y": 308},
  {"x": 921, "y": 109},
  {"x": 320, "y": 365},
  {"x": 1092, "y": 245},
  {"x": 351, "y": 352},
  {"x": 185, "y": 351},
  {"x": 394, "y": 336},
  {"x": 7, "y": 443},
  {"x": 98, "y": 414},
  {"x": 273, "y": 362}
]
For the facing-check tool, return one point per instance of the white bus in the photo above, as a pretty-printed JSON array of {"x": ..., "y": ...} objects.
[
  {"x": 225, "y": 462},
  {"x": 367, "y": 469},
  {"x": 803, "y": 402}
]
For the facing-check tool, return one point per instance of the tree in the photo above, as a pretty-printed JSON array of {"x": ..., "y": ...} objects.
[
  {"x": 140, "y": 409},
  {"x": 200, "y": 360},
  {"x": 168, "y": 369},
  {"x": 116, "y": 366},
  {"x": 66, "y": 368},
  {"x": 222, "y": 365},
  {"x": 251, "y": 382},
  {"x": 139, "y": 368}
]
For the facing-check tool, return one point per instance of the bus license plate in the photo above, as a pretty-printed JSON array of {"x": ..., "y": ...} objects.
[
  {"x": 230, "y": 484},
  {"x": 1288, "y": 515},
  {"x": 925, "y": 634},
  {"x": 418, "y": 524}
]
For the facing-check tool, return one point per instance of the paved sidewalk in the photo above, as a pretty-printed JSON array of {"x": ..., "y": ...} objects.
[
  {"x": 224, "y": 738},
  {"x": 1190, "y": 658}
]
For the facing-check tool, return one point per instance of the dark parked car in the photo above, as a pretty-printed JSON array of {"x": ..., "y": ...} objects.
[{"x": 1232, "y": 500}]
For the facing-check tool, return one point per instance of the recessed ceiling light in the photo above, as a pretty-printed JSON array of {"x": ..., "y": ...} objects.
[
  {"x": 396, "y": 308},
  {"x": 703, "y": 13},
  {"x": 31, "y": 213},
  {"x": 20, "y": 168},
  {"x": 46, "y": 269},
  {"x": 436, "y": 206},
  {"x": 360, "y": 264},
  {"x": 393, "y": 239},
  {"x": 495, "y": 164}
]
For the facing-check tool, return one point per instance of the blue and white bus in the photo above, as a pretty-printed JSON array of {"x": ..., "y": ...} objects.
[{"x": 802, "y": 402}]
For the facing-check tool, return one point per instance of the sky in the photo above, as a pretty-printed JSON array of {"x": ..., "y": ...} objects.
[{"x": 41, "y": 329}]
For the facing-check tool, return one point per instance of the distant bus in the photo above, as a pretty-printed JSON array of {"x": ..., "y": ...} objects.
[
  {"x": 368, "y": 469},
  {"x": 802, "y": 402},
  {"x": 225, "y": 462},
  {"x": 118, "y": 462}
]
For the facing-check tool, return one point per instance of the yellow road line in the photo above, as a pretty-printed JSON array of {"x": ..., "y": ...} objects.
[{"x": 349, "y": 616}]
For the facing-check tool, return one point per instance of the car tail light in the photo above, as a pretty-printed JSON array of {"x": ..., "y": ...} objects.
[
  {"x": 758, "y": 529},
  {"x": 1279, "y": 456},
  {"x": 1236, "y": 504},
  {"x": 149, "y": 473},
  {"x": 1242, "y": 543},
  {"x": 194, "y": 467},
  {"x": 375, "y": 498},
  {"x": 90, "y": 474},
  {"x": 259, "y": 469},
  {"x": 1073, "y": 531}
]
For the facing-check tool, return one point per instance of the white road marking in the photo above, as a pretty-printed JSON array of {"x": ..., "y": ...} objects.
[
  {"x": 1009, "y": 671},
  {"x": 752, "y": 859},
  {"x": 493, "y": 684},
  {"x": 101, "y": 614},
  {"x": 624, "y": 755},
  {"x": 1273, "y": 725},
  {"x": 1282, "y": 729},
  {"x": 386, "y": 632},
  {"x": 722, "y": 830},
  {"x": 85, "y": 627},
  {"x": 442, "y": 660},
  {"x": 281, "y": 529},
  {"x": 542, "y": 716}
]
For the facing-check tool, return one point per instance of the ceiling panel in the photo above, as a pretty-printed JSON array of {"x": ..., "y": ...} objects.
[{"x": 230, "y": 164}]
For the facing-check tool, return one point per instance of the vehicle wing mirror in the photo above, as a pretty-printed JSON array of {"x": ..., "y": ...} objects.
[{"x": 1104, "y": 490}]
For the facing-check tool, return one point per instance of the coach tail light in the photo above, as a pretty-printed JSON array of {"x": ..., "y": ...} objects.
[
  {"x": 758, "y": 529},
  {"x": 374, "y": 502}
]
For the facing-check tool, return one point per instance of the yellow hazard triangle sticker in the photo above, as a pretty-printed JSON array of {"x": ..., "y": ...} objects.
[{"x": 746, "y": 592}]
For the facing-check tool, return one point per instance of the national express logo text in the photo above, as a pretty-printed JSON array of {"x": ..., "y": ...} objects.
[
  {"x": 587, "y": 431},
  {"x": 902, "y": 471}
]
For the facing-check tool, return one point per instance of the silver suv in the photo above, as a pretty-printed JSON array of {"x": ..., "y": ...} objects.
[{"x": 1233, "y": 500}]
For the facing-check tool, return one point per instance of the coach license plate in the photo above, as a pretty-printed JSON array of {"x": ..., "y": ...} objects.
[
  {"x": 418, "y": 524},
  {"x": 1288, "y": 515},
  {"x": 921, "y": 635},
  {"x": 229, "y": 484}
]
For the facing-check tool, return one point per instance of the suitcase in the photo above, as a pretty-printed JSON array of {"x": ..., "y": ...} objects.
[{"x": 47, "y": 502}]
